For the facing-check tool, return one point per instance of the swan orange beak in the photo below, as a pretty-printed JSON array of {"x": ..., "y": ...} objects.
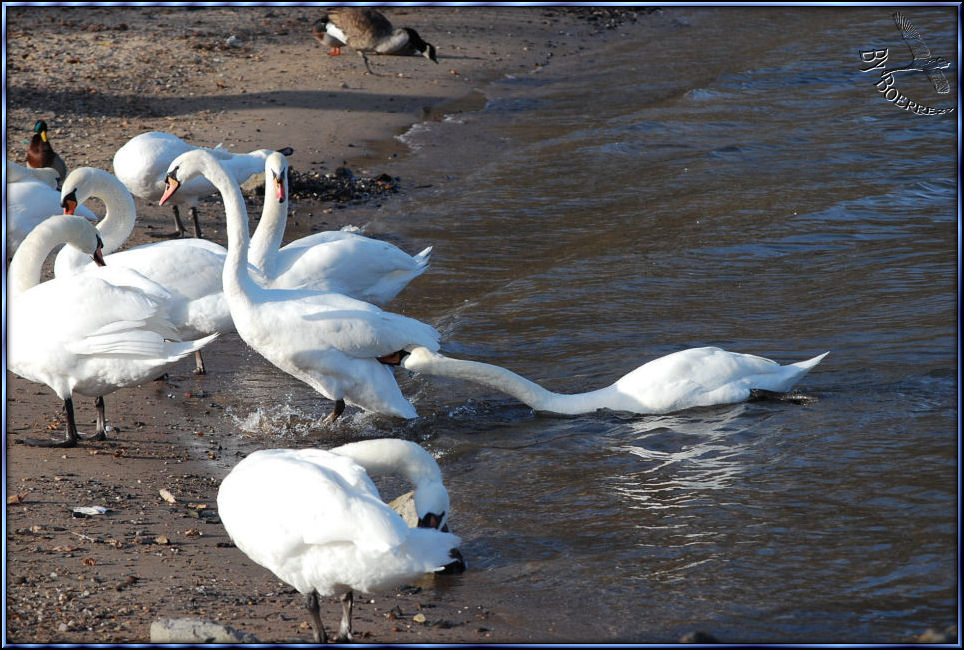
[
  {"x": 69, "y": 204},
  {"x": 170, "y": 186},
  {"x": 279, "y": 189}
]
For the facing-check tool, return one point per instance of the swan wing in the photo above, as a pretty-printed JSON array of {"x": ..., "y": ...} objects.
[
  {"x": 356, "y": 328},
  {"x": 355, "y": 265}
]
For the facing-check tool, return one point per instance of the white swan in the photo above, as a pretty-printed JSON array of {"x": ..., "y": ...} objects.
[
  {"x": 337, "y": 345},
  {"x": 343, "y": 262},
  {"x": 32, "y": 196},
  {"x": 91, "y": 333},
  {"x": 142, "y": 162},
  {"x": 189, "y": 269},
  {"x": 315, "y": 519},
  {"x": 675, "y": 382}
]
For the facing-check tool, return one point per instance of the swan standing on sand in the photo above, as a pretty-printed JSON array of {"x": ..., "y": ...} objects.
[
  {"x": 315, "y": 519},
  {"x": 91, "y": 333},
  {"x": 343, "y": 262},
  {"x": 142, "y": 162},
  {"x": 367, "y": 30},
  {"x": 190, "y": 269},
  {"x": 41, "y": 153},
  {"x": 337, "y": 345},
  {"x": 32, "y": 196}
]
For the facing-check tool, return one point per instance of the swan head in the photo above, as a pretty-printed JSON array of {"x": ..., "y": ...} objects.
[
  {"x": 431, "y": 505},
  {"x": 182, "y": 169},
  {"x": 80, "y": 185},
  {"x": 276, "y": 173},
  {"x": 423, "y": 48}
]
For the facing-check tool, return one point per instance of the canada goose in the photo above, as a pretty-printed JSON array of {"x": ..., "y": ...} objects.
[{"x": 367, "y": 30}]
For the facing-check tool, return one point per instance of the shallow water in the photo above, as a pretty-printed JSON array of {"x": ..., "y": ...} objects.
[{"x": 729, "y": 178}]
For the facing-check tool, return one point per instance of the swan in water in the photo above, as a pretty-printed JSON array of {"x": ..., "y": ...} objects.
[
  {"x": 338, "y": 345},
  {"x": 343, "y": 262},
  {"x": 189, "y": 269},
  {"x": 91, "y": 333},
  {"x": 41, "y": 154},
  {"x": 341, "y": 347},
  {"x": 32, "y": 196},
  {"x": 142, "y": 162},
  {"x": 367, "y": 30},
  {"x": 315, "y": 519},
  {"x": 681, "y": 380}
]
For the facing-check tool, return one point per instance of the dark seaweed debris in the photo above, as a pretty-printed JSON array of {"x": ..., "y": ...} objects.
[{"x": 342, "y": 186}]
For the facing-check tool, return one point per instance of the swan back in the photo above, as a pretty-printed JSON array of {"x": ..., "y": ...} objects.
[
  {"x": 143, "y": 161},
  {"x": 46, "y": 175}
]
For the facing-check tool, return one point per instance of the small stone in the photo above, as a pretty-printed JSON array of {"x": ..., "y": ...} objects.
[{"x": 194, "y": 630}]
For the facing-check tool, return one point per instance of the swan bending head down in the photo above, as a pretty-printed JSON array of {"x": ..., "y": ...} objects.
[{"x": 323, "y": 528}]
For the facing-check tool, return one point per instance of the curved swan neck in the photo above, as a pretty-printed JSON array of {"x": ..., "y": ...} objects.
[
  {"x": 430, "y": 363},
  {"x": 267, "y": 237},
  {"x": 26, "y": 266},
  {"x": 119, "y": 216},
  {"x": 392, "y": 456},
  {"x": 118, "y": 222},
  {"x": 237, "y": 281}
]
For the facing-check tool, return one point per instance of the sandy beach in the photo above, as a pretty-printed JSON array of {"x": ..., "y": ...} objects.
[{"x": 246, "y": 78}]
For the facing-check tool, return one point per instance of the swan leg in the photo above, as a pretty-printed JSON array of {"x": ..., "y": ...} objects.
[
  {"x": 101, "y": 432},
  {"x": 314, "y": 612},
  {"x": 338, "y": 410},
  {"x": 760, "y": 394},
  {"x": 179, "y": 232},
  {"x": 70, "y": 439},
  {"x": 344, "y": 630},
  {"x": 199, "y": 364},
  {"x": 197, "y": 224}
]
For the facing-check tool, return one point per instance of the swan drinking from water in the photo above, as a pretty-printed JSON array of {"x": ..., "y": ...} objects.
[
  {"x": 91, "y": 333},
  {"x": 315, "y": 519}
]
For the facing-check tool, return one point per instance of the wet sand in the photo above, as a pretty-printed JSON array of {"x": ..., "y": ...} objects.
[{"x": 101, "y": 76}]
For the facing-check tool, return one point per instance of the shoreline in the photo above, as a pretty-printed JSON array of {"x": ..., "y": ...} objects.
[{"x": 105, "y": 579}]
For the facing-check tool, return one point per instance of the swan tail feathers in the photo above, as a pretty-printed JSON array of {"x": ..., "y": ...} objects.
[
  {"x": 423, "y": 258},
  {"x": 809, "y": 363}
]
